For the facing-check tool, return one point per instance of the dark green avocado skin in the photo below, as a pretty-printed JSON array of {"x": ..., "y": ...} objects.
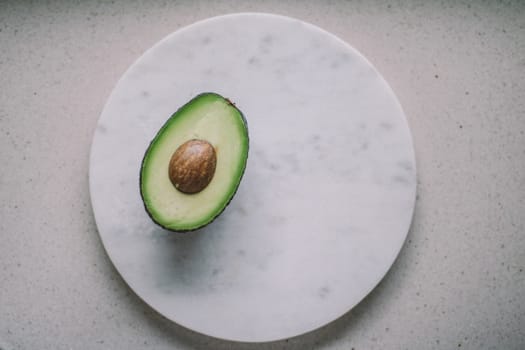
[{"x": 242, "y": 174}]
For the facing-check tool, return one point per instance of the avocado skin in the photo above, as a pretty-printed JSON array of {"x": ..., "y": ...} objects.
[{"x": 245, "y": 122}]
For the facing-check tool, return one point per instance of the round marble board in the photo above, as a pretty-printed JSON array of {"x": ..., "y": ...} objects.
[{"x": 326, "y": 200}]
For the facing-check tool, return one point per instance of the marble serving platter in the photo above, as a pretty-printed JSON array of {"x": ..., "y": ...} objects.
[{"x": 324, "y": 206}]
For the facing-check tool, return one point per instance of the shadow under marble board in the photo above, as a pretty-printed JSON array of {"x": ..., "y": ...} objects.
[{"x": 326, "y": 200}]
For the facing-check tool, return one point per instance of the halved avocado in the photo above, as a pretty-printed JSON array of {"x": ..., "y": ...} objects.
[{"x": 193, "y": 167}]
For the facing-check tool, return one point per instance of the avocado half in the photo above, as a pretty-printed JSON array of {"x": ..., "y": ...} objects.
[{"x": 194, "y": 165}]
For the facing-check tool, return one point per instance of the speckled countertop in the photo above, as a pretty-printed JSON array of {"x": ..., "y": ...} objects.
[{"x": 457, "y": 69}]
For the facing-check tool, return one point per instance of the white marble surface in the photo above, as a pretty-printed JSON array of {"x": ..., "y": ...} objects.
[
  {"x": 326, "y": 200},
  {"x": 458, "y": 71}
]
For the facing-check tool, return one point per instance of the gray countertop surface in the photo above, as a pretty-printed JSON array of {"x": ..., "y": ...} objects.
[{"x": 458, "y": 70}]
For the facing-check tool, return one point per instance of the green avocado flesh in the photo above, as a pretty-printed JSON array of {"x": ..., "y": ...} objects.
[{"x": 209, "y": 117}]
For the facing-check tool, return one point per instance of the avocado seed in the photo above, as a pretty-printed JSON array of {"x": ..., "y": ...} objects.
[{"x": 192, "y": 166}]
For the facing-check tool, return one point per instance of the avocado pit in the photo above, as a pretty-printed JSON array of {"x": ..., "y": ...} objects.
[{"x": 192, "y": 166}]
